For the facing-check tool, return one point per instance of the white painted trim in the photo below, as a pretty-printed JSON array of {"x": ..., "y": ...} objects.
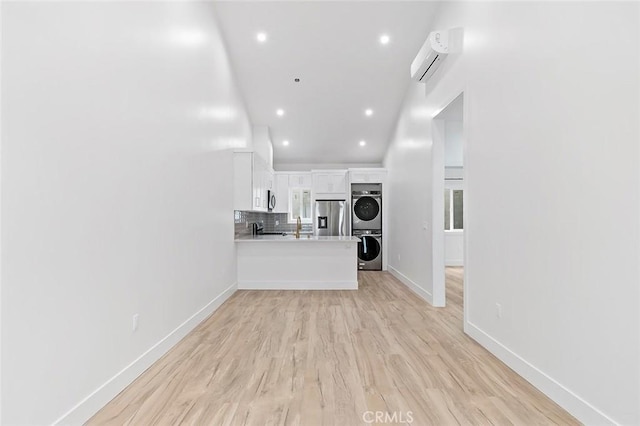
[
  {"x": 90, "y": 405},
  {"x": 424, "y": 294},
  {"x": 466, "y": 134},
  {"x": 437, "y": 211},
  {"x": 297, "y": 285},
  {"x": 0, "y": 228},
  {"x": 454, "y": 262},
  {"x": 567, "y": 399}
]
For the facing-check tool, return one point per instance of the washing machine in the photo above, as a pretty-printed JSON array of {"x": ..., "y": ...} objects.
[
  {"x": 369, "y": 250},
  {"x": 366, "y": 207}
]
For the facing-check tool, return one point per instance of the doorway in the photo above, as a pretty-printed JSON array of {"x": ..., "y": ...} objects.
[{"x": 449, "y": 187}]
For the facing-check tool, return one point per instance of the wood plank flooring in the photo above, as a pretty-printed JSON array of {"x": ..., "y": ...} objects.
[{"x": 329, "y": 357}]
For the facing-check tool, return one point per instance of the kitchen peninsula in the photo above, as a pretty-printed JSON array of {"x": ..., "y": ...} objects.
[
  {"x": 277, "y": 262},
  {"x": 269, "y": 206}
]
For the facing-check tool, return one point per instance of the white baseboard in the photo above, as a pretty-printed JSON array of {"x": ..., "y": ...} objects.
[
  {"x": 298, "y": 285},
  {"x": 86, "y": 408},
  {"x": 424, "y": 294},
  {"x": 574, "y": 404},
  {"x": 454, "y": 262}
]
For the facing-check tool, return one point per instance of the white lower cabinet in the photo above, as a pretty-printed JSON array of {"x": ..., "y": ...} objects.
[{"x": 286, "y": 263}]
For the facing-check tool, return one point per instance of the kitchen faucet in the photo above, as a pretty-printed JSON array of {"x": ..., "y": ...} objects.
[{"x": 298, "y": 227}]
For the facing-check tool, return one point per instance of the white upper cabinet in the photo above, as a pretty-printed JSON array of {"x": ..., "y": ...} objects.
[
  {"x": 367, "y": 175},
  {"x": 282, "y": 192},
  {"x": 265, "y": 182},
  {"x": 300, "y": 180},
  {"x": 253, "y": 174},
  {"x": 284, "y": 183},
  {"x": 329, "y": 184},
  {"x": 252, "y": 178}
]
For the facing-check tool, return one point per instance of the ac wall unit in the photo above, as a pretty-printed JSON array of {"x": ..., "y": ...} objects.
[{"x": 431, "y": 54}]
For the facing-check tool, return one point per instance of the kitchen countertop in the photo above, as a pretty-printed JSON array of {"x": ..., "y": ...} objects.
[{"x": 292, "y": 238}]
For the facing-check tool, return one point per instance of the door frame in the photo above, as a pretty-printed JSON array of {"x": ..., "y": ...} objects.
[{"x": 437, "y": 188}]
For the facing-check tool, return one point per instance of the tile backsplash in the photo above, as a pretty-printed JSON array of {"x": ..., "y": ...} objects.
[{"x": 244, "y": 219}]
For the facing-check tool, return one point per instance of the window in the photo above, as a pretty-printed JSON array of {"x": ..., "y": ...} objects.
[
  {"x": 300, "y": 205},
  {"x": 453, "y": 209}
]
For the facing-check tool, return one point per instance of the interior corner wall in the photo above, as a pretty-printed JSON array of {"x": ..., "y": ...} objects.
[
  {"x": 116, "y": 192},
  {"x": 552, "y": 193}
]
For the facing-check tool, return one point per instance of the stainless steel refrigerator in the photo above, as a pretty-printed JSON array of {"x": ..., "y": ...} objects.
[{"x": 331, "y": 218}]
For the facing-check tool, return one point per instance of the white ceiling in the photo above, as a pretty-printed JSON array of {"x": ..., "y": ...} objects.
[{"x": 334, "y": 48}]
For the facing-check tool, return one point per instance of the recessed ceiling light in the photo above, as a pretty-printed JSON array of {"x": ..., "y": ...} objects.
[
  {"x": 384, "y": 39},
  {"x": 368, "y": 112},
  {"x": 363, "y": 143},
  {"x": 280, "y": 112},
  {"x": 285, "y": 143},
  {"x": 261, "y": 37}
]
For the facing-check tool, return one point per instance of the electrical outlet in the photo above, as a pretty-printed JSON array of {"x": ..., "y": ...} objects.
[
  {"x": 498, "y": 310},
  {"x": 135, "y": 322},
  {"x": 277, "y": 222}
]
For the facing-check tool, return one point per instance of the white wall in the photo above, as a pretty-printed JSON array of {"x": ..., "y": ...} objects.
[
  {"x": 116, "y": 193},
  {"x": 552, "y": 167},
  {"x": 453, "y": 144}
]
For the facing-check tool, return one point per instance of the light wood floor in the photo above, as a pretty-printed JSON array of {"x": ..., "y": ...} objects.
[{"x": 325, "y": 358}]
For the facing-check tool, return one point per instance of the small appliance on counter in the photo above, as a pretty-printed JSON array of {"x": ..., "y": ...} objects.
[{"x": 330, "y": 218}]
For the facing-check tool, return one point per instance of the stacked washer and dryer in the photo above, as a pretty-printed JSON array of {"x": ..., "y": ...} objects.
[{"x": 366, "y": 224}]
